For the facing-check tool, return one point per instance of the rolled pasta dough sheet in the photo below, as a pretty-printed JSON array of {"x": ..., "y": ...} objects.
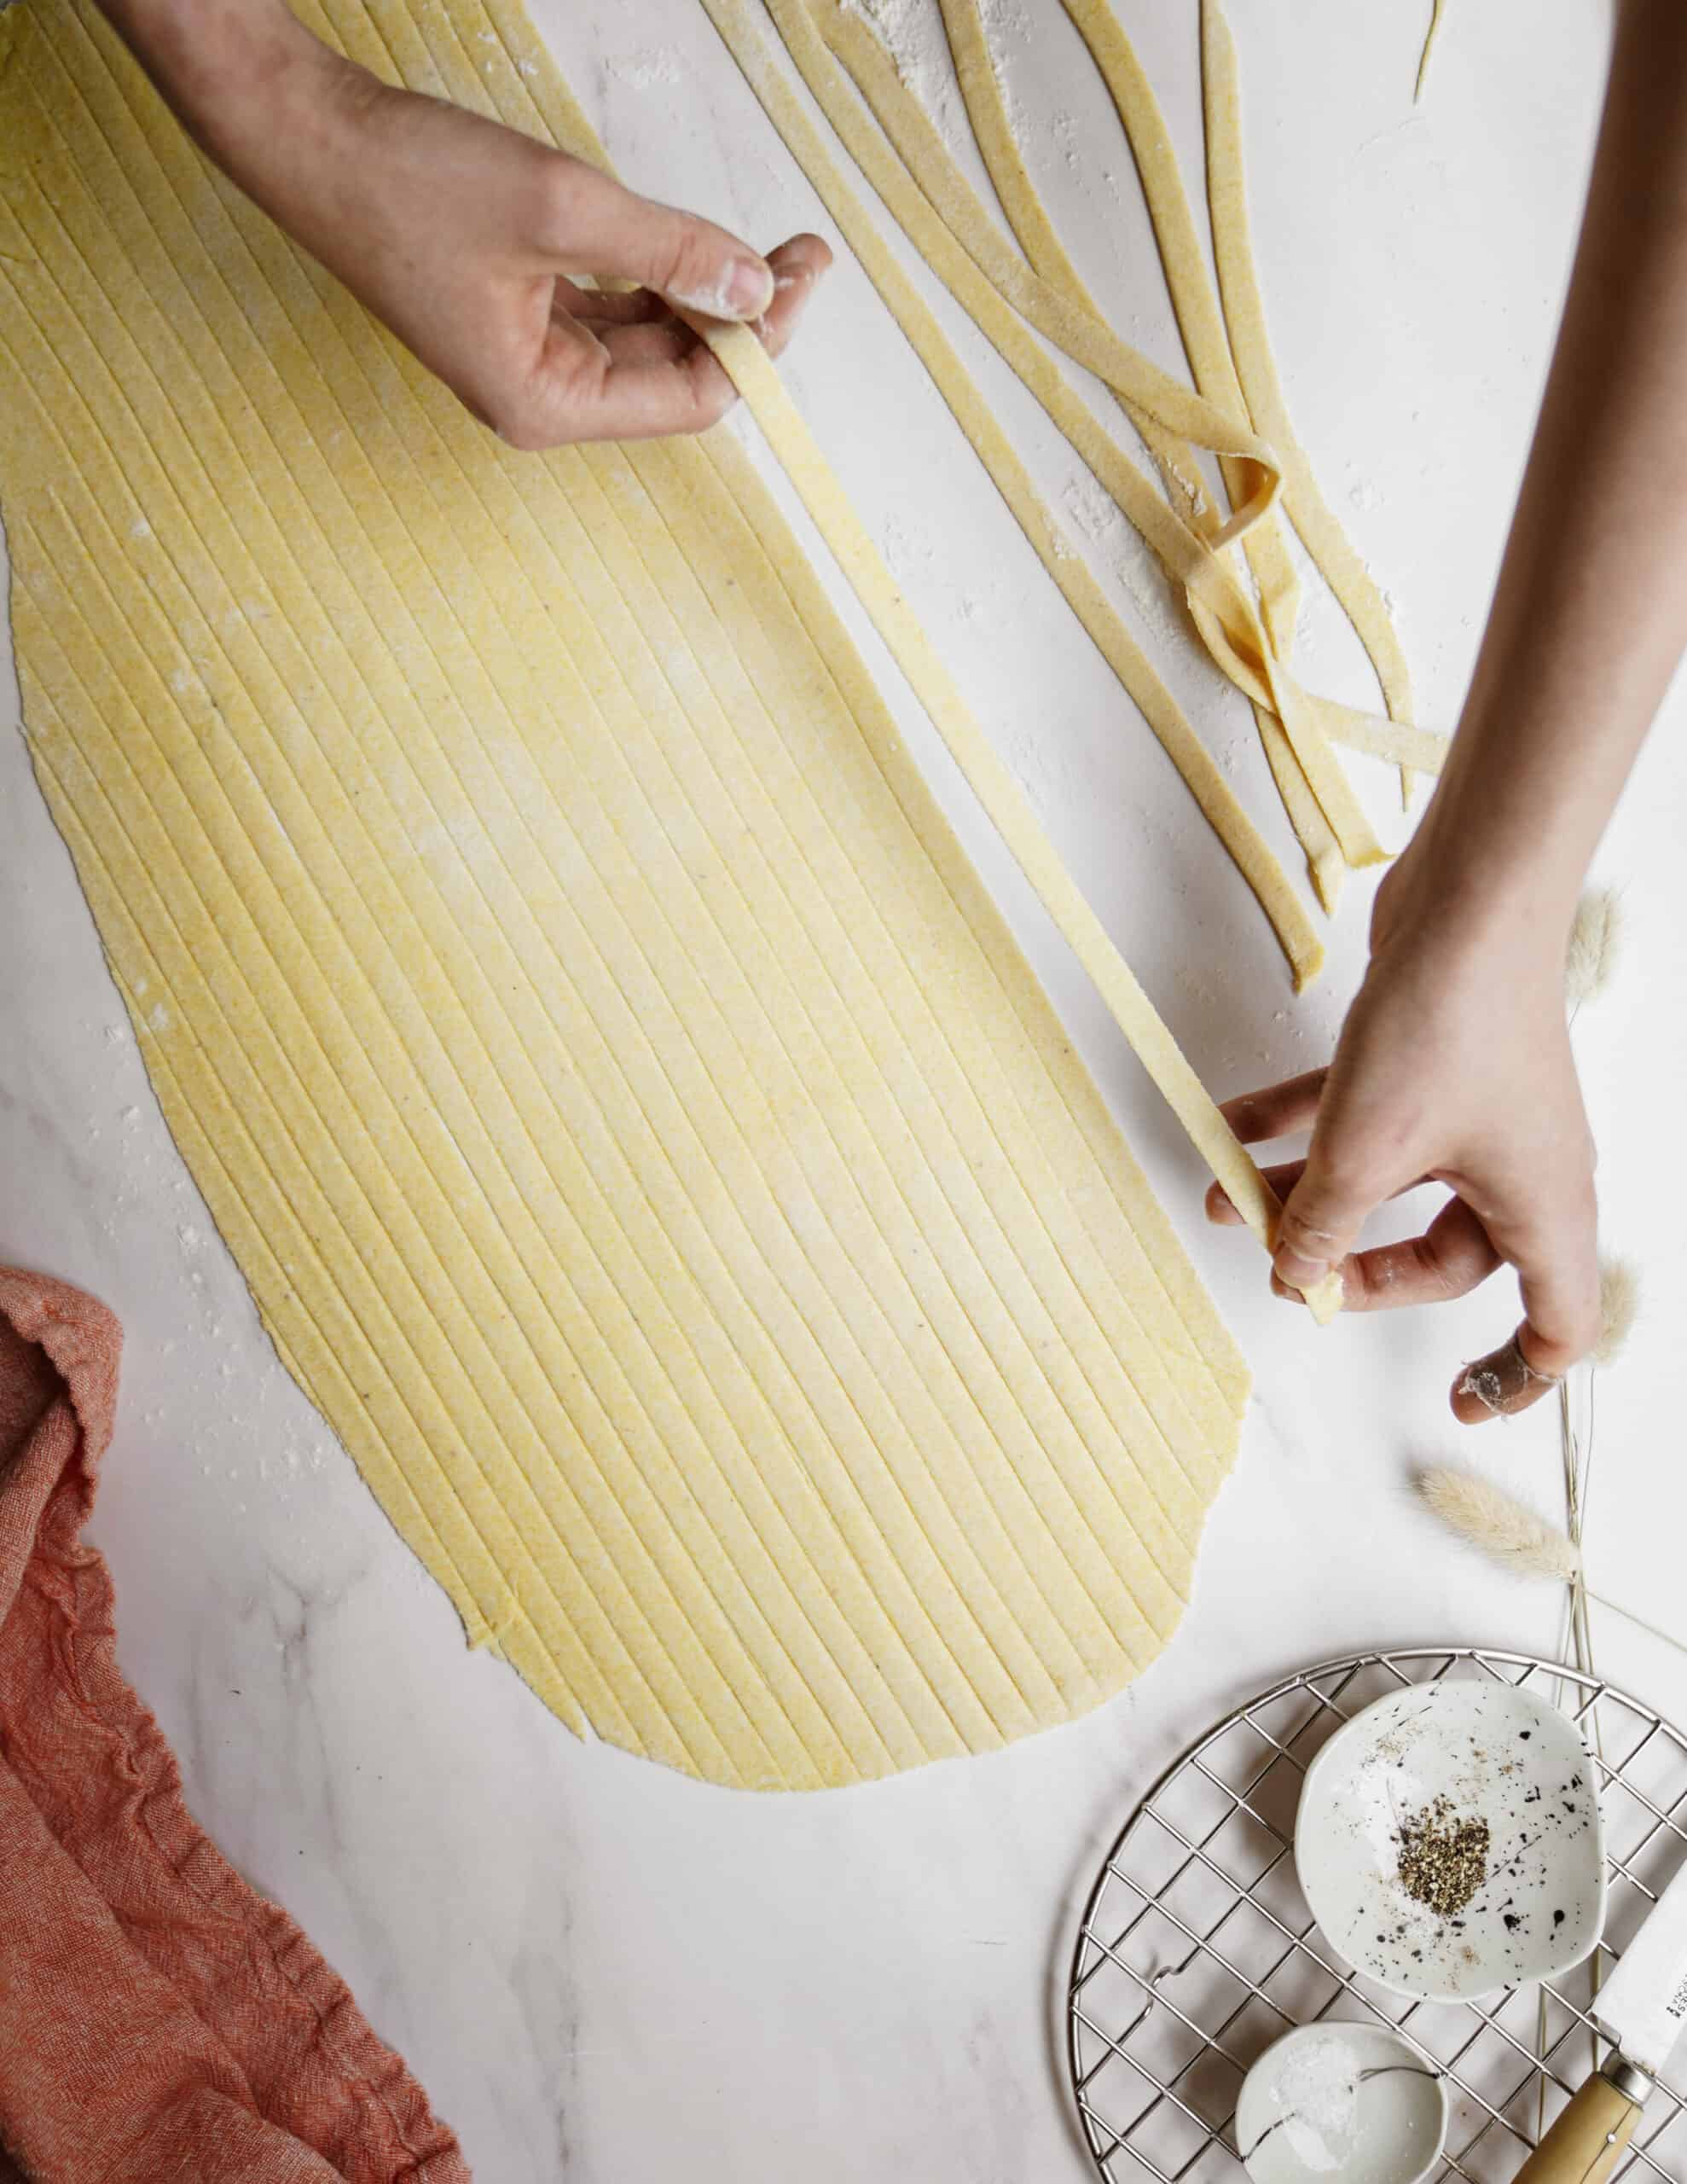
[{"x": 641, "y": 1135}]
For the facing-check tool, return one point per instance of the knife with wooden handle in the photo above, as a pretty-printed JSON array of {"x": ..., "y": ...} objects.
[{"x": 1643, "y": 2007}]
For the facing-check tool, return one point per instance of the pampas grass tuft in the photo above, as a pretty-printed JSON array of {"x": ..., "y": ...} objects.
[
  {"x": 1496, "y": 1524},
  {"x": 1596, "y": 939},
  {"x": 1618, "y": 1309}
]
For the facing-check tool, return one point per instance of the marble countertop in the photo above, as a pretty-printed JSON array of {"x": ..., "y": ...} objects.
[{"x": 602, "y": 1971}]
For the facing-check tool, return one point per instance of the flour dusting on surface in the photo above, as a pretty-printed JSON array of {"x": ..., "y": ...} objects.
[{"x": 912, "y": 33}]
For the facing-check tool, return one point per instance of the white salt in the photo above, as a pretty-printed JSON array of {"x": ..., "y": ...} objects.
[{"x": 1317, "y": 2090}]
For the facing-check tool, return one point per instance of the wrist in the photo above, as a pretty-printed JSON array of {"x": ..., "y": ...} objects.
[{"x": 1460, "y": 894}]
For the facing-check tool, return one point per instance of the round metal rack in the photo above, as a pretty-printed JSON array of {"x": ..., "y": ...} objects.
[{"x": 1196, "y": 1949}]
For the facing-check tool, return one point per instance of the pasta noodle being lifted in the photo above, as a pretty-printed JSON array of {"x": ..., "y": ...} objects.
[
  {"x": 748, "y": 365},
  {"x": 779, "y": 420}
]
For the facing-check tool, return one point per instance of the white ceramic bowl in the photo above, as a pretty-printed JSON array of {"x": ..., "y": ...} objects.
[
  {"x": 1493, "y": 1754},
  {"x": 1341, "y": 2103}
]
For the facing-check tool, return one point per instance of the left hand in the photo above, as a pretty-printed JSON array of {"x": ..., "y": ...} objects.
[{"x": 470, "y": 239}]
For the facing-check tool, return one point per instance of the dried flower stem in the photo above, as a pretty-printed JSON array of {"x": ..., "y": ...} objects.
[
  {"x": 1578, "y": 1452},
  {"x": 1428, "y": 48}
]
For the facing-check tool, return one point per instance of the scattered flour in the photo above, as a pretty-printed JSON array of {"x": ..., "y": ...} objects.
[
  {"x": 912, "y": 33},
  {"x": 1005, "y": 19},
  {"x": 1017, "y": 119},
  {"x": 1092, "y": 510},
  {"x": 904, "y": 551},
  {"x": 1098, "y": 517},
  {"x": 655, "y": 65}
]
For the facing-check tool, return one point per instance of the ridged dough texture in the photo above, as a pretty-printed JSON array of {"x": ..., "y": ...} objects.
[{"x": 642, "y": 1137}]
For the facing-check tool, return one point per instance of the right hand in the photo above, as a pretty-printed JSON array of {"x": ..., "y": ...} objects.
[{"x": 1454, "y": 1066}]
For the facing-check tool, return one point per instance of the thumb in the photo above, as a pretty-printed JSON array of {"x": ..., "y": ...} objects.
[
  {"x": 612, "y": 231},
  {"x": 1322, "y": 1215}
]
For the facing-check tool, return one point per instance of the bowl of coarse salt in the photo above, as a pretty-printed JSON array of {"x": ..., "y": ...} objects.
[
  {"x": 1341, "y": 2103},
  {"x": 1449, "y": 1841}
]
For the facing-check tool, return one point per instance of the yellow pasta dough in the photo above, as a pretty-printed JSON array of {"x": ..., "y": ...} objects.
[{"x": 640, "y": 1132}]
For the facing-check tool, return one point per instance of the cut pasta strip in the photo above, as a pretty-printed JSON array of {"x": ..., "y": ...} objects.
[
  {"x": 1217, "y": 801},
  {"x": 1199, "y": 312},
  {"x": 1326, "y": 868},
  {"x": 1079, "y": 334},
  {"x": 1207, "y": 344},
  {"x": 1418, "y": 750},
  {"x": 937, "y": 209},
  {"x": 1244, "y": 315},
  {"x": 1208, "y": 348}
]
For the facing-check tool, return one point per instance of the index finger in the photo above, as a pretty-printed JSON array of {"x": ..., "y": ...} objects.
[{"x": 1279, "y": 1110}]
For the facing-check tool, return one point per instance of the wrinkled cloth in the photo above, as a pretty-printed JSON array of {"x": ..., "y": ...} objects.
[{"x": 158, "y": 2018}]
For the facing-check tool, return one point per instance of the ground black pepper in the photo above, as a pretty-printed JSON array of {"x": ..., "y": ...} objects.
[{"x": 1443, "y": 1859}]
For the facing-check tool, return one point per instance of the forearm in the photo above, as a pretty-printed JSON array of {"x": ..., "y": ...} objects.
[
  {"x": 1590, "y": 612},
  {"x": 244, "y": 77}
]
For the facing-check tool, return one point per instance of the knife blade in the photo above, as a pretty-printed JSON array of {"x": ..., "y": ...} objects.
[{"x": 1643, "y": 2007}]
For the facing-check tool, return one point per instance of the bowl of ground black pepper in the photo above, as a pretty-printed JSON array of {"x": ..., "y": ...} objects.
[{"x": 1449, "y": 1842}]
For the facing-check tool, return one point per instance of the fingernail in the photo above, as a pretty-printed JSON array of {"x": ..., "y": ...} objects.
[
  {"x": 744, "y": 291},
  {"x": 1299, "y": 1272}
]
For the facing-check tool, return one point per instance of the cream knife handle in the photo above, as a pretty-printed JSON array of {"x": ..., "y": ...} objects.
[{"x": 1587, "y": 2138}]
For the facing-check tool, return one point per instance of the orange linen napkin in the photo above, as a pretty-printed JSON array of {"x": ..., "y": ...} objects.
[{"x": 157, "y": 2018}]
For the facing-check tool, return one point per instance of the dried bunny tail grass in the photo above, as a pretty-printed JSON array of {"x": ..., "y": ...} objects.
[
  {"x": 1596, "y": 939},
  {"x": 1510, "y": 1533},
  {"x": 1618, "y": 1309},
  {"x": 1496, "y": 1524}
]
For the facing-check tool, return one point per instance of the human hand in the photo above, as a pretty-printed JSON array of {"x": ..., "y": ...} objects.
[
  {"x": 1454, "y": 1067},
  {"x": 469, "y": 240}
]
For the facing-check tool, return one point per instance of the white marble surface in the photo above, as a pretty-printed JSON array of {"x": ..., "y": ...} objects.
[{"x": 605, "y": 1972}]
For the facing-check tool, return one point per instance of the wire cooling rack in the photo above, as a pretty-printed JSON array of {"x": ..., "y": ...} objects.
[{"x": 1197, "y": 1948}]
